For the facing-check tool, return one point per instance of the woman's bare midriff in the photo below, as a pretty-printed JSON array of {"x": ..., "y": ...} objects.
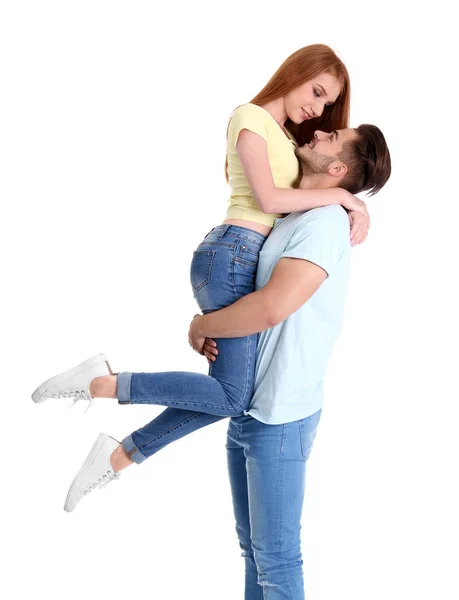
[{"x": 263, "y": 229}]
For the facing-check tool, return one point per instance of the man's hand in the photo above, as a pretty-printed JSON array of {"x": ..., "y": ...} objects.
[
  {"x": 359, "y": 227},
  {"x": 202, "y": 345},
  {"x": 196, "y": 341},
  {"x": 210, "y": 350}
]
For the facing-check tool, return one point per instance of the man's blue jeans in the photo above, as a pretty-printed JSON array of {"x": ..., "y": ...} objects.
[{"x": 267, "y": 470}]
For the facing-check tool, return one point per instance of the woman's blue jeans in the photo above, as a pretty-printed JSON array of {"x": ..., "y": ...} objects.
[{"x": 223, "y": 270}]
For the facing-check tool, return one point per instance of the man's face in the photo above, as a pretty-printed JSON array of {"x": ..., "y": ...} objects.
[{"x": 319, "y": 155}]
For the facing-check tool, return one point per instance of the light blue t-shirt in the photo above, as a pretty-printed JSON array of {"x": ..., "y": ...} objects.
[{"x": 293, "y": 356}]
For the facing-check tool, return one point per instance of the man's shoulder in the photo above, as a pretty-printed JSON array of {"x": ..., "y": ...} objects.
[
  {"x": 334, "y": 213},
  {"x": 317, "y": 227},
  {"x": 332, "y": 218}
]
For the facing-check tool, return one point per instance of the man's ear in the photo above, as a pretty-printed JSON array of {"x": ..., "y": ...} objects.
[{"x": 337, "y": 169}]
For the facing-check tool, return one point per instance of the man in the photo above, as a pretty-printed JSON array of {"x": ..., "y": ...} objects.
[{"x": 298, "y": 306}]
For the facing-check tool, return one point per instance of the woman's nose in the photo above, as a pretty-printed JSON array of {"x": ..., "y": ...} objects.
[{"x": 318, "y": 109}]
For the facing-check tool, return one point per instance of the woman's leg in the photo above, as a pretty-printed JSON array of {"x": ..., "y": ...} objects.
[
  {"x": 223, "y": 270},
  {"x": 226, "y": 396},
  {"x": 278, "y": 454},
  {"x": 169, "y": 426}
]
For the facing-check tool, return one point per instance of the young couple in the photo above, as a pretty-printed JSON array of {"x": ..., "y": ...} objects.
[{"x": 271, "y": 283}]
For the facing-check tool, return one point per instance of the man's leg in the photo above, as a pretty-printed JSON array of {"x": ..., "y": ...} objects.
[
  {"x": 276, "y": 471},
  {"x": 239, "y": 490}
]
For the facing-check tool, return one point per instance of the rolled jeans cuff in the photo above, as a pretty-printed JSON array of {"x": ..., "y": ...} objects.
[
  {"x": 132, "y": 451},
  {"x": 123, "y": 387}
]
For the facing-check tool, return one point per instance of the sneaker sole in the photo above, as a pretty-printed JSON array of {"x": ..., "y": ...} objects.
[
  {"x": 37, "y": 395},
  {"x": 85, "y": 467}
]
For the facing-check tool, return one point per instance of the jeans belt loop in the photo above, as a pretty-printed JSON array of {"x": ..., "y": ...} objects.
[{"x": 223, "y": 231}]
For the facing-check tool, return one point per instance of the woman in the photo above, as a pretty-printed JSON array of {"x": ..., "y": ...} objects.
[{"x": 309, "y": 91}]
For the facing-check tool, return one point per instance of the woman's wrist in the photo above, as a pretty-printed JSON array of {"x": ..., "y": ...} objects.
[{"x": 342, "y": 197}]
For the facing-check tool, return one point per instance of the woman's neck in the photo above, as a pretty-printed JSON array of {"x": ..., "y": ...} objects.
[{"x": 277, "y": 110}]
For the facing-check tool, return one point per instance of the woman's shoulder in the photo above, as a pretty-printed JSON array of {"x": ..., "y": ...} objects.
[{"x": 251, "y": 110}]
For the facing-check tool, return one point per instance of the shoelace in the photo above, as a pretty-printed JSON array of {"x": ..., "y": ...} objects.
[
  {"x": 108, "y": 477},
  {"x": 79, "y": 395}
]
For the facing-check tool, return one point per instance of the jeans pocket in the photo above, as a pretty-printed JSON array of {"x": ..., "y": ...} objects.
[
  {"x": 247, "y": 254},
  {"x": 201, "y": 267},
  {"x": 245, "y": 269},
  {"x": 308, "y": 431},
  {"x": 307, "y": 441},
  {"x": 244, "y": 277}
]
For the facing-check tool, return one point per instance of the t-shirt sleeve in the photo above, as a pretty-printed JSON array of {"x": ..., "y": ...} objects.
[
  {"x": 247, "y": 116},
  {"x": 322, "y": 240}
]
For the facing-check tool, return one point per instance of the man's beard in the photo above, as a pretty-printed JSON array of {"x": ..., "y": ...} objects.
[{"x": 314, "y": 163}]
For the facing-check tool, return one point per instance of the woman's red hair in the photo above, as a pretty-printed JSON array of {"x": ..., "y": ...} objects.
[{"x": 301, "y": 66}]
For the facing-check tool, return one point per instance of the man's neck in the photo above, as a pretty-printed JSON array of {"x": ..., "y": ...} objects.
[{"x": 318, "y": 181}]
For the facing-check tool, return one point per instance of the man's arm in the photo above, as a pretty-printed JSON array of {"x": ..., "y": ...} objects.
[{"x": 292, "y": 283}]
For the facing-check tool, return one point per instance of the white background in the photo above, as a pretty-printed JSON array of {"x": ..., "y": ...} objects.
[{"x": 113, "y": 126}]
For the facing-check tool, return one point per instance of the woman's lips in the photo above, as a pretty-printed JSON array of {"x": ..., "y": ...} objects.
[{"x": 305, "y": 115}]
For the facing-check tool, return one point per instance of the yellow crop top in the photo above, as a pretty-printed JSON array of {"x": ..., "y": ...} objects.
[{"x": 282, "y": 159}]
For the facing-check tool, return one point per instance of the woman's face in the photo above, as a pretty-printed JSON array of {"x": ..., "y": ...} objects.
[{"x": 307, "y": 101}]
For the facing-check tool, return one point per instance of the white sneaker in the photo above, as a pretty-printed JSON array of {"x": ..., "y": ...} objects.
[
  {"x": 96, "y": 471},
  {"x": 74, "y": 382}
]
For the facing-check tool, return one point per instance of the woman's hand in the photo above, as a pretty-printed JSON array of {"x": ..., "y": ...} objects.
[
  {"x": 352, "y": 203},
  {"x": 359, "y": 227}
]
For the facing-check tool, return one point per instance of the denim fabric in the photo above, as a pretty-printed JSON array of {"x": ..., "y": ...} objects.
[
  {"x": 222, "y": 271},
  {"x": 267, "y": 470}
]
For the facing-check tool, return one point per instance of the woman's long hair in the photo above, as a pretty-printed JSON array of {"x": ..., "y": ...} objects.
[{"x": 301, "y": 66}]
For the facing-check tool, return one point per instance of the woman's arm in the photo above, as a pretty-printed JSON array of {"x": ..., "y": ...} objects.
[{"x": 253, "y": 153}]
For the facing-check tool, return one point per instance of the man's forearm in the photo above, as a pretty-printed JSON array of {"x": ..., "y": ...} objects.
[{"x": 251, "y": 314}]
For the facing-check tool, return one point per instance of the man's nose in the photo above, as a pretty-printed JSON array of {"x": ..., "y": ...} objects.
[{"x": 318, "y": 134}]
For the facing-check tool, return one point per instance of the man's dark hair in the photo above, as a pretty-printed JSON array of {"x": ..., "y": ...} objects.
[{"x": 368, "y": 161}]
